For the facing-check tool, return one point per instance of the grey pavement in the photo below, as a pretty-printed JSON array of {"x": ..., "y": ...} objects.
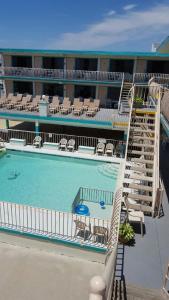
[{"x": 36, "y": 270}]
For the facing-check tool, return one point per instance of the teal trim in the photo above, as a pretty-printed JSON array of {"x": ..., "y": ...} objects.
[
  {"x": 33, "y": 118},
  {"x": 165, "y": 124},
  {"x": 63, "y": 81},
  {"x": 84, "y": 53},
  {"x": 55, "y": 240}
]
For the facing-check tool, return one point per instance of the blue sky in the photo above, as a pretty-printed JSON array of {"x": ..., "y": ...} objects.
[{"x": 84, "y": 24}]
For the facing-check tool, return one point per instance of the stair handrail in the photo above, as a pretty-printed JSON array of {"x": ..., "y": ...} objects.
[{"x": 119, "y": 103}]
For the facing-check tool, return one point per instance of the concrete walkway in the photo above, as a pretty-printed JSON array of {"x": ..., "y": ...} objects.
[{"x": 36, "y": 270}]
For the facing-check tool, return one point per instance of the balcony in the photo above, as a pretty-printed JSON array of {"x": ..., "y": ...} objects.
[{"x": 60, "y": 75}]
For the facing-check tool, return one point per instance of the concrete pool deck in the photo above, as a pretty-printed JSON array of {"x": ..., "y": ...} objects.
[{"x": 31, "y": 269}]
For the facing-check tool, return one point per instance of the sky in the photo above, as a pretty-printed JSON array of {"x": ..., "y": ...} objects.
[{"x": 108, "y": 25}]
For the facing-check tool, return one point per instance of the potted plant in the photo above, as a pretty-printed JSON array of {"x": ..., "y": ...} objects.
[
  {"x": 126, "y": 233},
  {"x": 138, "y": 102}
]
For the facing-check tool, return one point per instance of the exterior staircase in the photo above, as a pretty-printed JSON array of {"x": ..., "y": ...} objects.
[
  {"x": 141, "y": 156},
  {"x": 124, "y": 107}
]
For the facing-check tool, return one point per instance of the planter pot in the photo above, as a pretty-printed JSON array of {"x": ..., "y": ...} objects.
[{"x": 122, "y": 240}]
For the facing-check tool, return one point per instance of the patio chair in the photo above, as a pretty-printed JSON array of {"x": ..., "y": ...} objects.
[
  {"x": 81, "y": 229},
  {"x": 66, "y": 108},
  {"x": 14, "y": 101},
  {"x": 3, "y": 101},
  {"x": 78, "y": 109},
  {"x": 97, "y": 104},
  {"x": 100, "y": 148},
  {"x": 37, "y": 141},
  {"x": 134, "y": 216},
  {"x": 75, "y": 102},
  {"x": 109, "y": 149},
  {"x": 34, "y": 104},
  {"x": 54, "y": 106},
  {"x": 71, "y": 145},
  {"x": 24, "y": 102},
  {"x": 100, "y": 234},
  {"x": 91, "y": 110},
  {"x": 63, "y": 144},
  {"x": 86, "y": 104},
  {"x": 65, "y": 101}
]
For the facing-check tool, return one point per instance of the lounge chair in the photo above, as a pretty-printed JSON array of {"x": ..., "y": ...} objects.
[
  {"x": 75, "y": 102},
  {"x": 37, "y": 141},
  {"x": 86, "y": 104},
  {"x": 100, "y": 234},
  {"x": 34, "y": 104},
  {"x": 65, "y": 100},
  {"x": 81, "y": 229},
  {"x": 100, "y": 148},
  {"x": 91, "y": 110},
  {"x": 54, "y": 106},
  {"x": 3, "y": 101},
  {"x": 14, "y": 101},
  {"x": 66, "y": 108},
  {"x": 63, "y": 144},
  {"x": 109, "y": 149},
  {"x": 97, "y": 104},
  {"x": 71, "y": 145},
  {"x": 25, "y": 101},
  {"x": 78, "y": 109}
]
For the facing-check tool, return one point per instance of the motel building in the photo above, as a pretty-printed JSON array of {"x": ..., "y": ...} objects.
[{"x": 92, "y": 122}]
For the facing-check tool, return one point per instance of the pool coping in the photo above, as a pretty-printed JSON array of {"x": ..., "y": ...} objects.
[{"x": 75, "y": 154}]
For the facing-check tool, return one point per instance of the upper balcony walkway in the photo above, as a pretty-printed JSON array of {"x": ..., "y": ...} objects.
[{"x": 79, "y": 76}]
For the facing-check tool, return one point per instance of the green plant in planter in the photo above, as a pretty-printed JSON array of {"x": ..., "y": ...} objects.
[
  {"x": 126, "y": 233},
  {"x": 138, "y": 102}
]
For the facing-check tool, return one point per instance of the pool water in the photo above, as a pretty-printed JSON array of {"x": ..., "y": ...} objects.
[{"x": 48, "y": 181}]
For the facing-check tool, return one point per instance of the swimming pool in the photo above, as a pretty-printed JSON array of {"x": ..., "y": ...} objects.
[{"x": 51, "y": 182}]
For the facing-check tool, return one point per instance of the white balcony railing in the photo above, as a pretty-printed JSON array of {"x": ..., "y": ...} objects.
[{"x": 60, "y": 74}]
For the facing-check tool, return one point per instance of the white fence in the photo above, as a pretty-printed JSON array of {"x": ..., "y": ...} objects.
[{"x": 53, "y": 224}]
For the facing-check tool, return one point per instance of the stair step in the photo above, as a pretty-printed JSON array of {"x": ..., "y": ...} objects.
[
  {"x": 144, "y": 161},
  {"x": 138, "y": 177},
  {"x": 142, "y": 124},
  {"x": 140, "y": 152},
  {"x": 138, "y": 187},
  {"x": 139, "y": 169},
  {"x": 140, "y": 145},
  {"x": 143, "y": 118},
  {"x": 140, "y": 197},
  {"x": 136, "y": 129},
  {"x": 143, "y": 138}
]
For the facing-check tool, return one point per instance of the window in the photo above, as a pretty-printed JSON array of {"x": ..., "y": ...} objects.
[
  {"x": 85, "y": 91},
  {"x": 53, "y": 63},
  {"x": 23, "y": 87},
  {"x": 52, "y": 89},
  {"x": 86, "y": 64},
  {"x": 156, "y": 66},
  {"x": 22, "y": 61},
  {"x": 117, "y": 65}
]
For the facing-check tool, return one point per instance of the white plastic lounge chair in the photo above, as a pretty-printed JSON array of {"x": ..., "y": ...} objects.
[
  {"x": 109, "y": 149},
  {"x": 86, "y": 103},
  {"x": 75, "y": 102},
  {"x": 54, "y": 106},
  {"x": 100, "y": 148},
  {"x": 63, "y": 144},
  {"x": 37, "y": 141},
  {"x": 66, "y": 108},
  {"x": 14, "y": 101},
  {"x": 24, "y": 102},
  {"x": 78, "y": 109},
  {"x": 91, "y": 110},
  {"x": 71, "y": 145},
  {"x": 97, "y": 104},
  {"x": 34, "y": 104}
]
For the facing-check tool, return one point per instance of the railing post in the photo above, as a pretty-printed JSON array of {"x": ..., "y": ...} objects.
[{"x": 97, "y": 288}]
